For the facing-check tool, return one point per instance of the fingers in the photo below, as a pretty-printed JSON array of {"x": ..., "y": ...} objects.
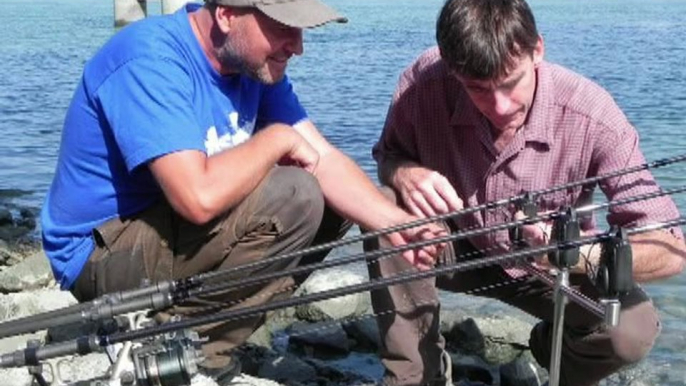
[
  {"x": 449, "y": 196},
  {"x": 419, "y": 206},
  {"x": 427, "y": 193},
  {"x": 422, "y": 257},
  {"x": 534, "y": 234}
]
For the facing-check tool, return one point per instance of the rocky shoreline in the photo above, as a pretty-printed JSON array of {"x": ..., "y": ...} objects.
[{"x": 332, "y": 342}]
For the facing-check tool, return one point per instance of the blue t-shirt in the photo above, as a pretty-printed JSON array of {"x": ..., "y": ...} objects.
[{"x": 149, "y": 91}]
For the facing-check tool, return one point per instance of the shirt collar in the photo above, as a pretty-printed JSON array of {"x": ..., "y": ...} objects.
[{"x": 539, "y": 123}]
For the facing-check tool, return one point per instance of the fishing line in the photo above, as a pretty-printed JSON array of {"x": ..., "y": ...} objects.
[
  {"x": 165, "y": 294},
  {"x": 251, "y": 311},
  {"x": 205, "y": 289},
  {"x": 91, "y": 343},
  {"x": 353, "y": 319},
  {"x": 462, "y": 257},
  {"x": 441, "y": 217}
]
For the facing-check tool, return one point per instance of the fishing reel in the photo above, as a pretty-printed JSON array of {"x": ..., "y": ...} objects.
[
  {"x": 160, "y": 360},
  {"x": 527, "y": 205},
  {"x": 615, "y": 273},
  {"x": 565, "y": 228},
  {"x": 166, "y": 361}
]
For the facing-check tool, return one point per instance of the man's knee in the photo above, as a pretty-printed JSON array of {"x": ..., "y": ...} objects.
[
  {"x": 295, "y": 195},
  {"x": 638, "y": 328},
  {"x": 625, "y": 344}
]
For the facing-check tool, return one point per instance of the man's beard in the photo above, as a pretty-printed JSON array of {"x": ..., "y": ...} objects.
[{"x": 230, "y": 55}]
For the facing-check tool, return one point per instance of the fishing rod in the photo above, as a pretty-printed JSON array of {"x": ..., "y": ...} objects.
[
  {"x": 446, "y": 216},
  {"x": 96, "y": 343},
  {"x": 149, "y": 292},
  {"x": 241, "y": 283},
  {"x": 166, "y": 294}
]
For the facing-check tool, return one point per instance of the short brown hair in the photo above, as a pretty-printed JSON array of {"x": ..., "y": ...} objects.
[{"x": 480, "y": 39}]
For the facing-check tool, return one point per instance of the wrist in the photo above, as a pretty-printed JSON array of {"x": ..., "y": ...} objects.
[
  {"x": 589, "y": 257},
  {"x": 400, "y": 173}
]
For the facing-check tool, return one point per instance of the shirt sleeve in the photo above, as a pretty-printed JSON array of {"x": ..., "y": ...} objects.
[
  {"x": 146, "y": 103},
  {"x": 618, "y": 149},
  {"x": 397, "y": 140},
  {"x": 280, "y": 104}
]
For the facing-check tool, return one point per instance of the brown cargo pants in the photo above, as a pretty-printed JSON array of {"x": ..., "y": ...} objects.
[
  {"x": 285, "y": 213},
  {"x": 412, "y": 342}
]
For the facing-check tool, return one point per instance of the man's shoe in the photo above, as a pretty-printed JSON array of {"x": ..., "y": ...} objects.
[
  {"x": 446, "y": 377},
  {"x": 520, "y": 372},
  {"x": 223, "y": 376}
]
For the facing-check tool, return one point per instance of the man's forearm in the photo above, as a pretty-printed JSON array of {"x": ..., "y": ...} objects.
[
  {"x": 656, "y": 255},
  {"x": 388, "y": 168},
  {"x": 349, "y": 191}
]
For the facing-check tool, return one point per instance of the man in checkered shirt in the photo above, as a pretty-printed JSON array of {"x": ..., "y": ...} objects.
[{"x": 483, "y": 117}]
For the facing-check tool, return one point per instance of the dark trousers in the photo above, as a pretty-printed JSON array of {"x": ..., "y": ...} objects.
[
  {"x": 412, "y": 342},
  {"x": 285, "y": 213}
]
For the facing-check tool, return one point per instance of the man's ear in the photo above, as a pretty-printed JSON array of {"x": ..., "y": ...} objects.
[
  {"x": 539, "y": 51},
  {"x": 224, "y": 18}
]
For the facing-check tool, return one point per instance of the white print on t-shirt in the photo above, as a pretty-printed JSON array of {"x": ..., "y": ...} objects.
[{"x": 214, "y": 143}]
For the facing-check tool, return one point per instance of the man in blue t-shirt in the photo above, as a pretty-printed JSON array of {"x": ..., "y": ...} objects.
[{"x": 185, "y": 150}]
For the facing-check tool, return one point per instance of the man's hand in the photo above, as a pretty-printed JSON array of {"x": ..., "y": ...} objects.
[
  {"x": 425, "y": 192},
  {"x": 423, "y": 258},
  {"x": 301, "y": 154},
  {"x": 536, "y": 235}
]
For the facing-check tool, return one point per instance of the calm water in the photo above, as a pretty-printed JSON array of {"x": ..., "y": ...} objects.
[{"x": 633, "y": 48}]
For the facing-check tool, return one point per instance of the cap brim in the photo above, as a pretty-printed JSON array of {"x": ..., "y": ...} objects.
[{"x": 301, "y": 13}]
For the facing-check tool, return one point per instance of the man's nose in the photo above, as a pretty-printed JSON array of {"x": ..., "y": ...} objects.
[
  {"x": 501, "y": 102},
  {"x": 294, "y": 44}
]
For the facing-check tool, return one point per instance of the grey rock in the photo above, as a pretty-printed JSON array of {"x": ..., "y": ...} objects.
[
  {"x": 32, "y": 273},
  {"x": 466, "y": 337},
  {"x": 365, "y": 332},
  {"x": 319, "y": 339},
  {"x": 520, "y": 372},
  {"x": 21, "y": 304},
  {"x": 286, "y": 369},
  {"x": 6, "y": 217},
  {"x": 336, "y": 308},
  {"x": 472, "y": 369}
]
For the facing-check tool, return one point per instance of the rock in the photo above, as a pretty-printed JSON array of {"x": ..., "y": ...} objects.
[
  {"x": 319, "y": 339},
  {"x": 472, "y": 369},
  {"x": 27, "y": 222},
  {"x": 32, "y": 273},
  {"x": 287, "y": 369},
  {"x": 365, "y": 332},
  {"x": 337, "y": 308},
  {"x": 22, "y": 304},
  {"x": 498, "y": 340},
  {"x": 520, "y": 372},
  {"x": 6, "y": 217},
  {"x": 241, "y": 380},
  {"x": 359, "y": 368},
  {"x": 274, "y": 324},
  {"x": 16, "y": 377},
  {"x": 466, "y": 337},
  {"x": 506, "y": 329}
]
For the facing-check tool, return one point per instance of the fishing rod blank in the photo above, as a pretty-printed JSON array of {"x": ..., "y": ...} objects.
[
  {"x": 155, "y": 297},
  {"x": 165, "y": 294},
  {"x": 377, "y": 284},
  {"x": 88, "y": 344},
  {"x": 441, "y": 217},
  {"x": 228, "y": 286}
]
